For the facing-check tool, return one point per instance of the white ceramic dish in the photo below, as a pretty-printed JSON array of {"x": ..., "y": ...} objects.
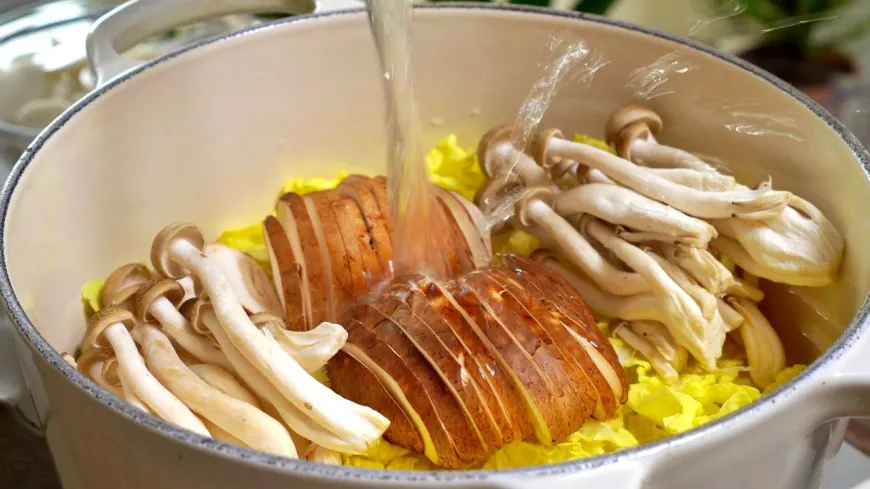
[{"x": 205, "y": 135}]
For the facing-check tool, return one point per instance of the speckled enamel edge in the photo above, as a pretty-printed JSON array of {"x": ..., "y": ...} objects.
[{"x": 307, "y": 469}]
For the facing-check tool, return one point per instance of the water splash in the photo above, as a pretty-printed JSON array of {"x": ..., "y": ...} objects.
[
  {"x": 410, "y": 193},
  {"x": 648, "y": 82}
]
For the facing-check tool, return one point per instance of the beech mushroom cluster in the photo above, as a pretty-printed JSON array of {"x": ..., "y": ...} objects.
[
  {"x": 641, "y": 233},
  {"x": 201, "y": 342}
]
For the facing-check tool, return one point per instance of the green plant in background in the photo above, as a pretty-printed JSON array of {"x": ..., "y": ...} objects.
[
  {"x": 598, "y": 7},
  {"x": 796, "y": 22}
]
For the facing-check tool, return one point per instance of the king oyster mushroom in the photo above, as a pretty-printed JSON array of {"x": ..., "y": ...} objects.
[
  {"x": 176, "y": 252},
  {"x": 110, "y": 328},
  {"x": 239, "y": 419},
  {"x": 158, "y": 300},
  {"x": 762, "y": 203}
]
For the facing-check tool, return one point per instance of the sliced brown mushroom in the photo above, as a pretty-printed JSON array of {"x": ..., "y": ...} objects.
[
  {"x": 334, "y": 256},
  {"x": 158, "y": 300},
  {"x": 360, "y": 189},
  {"x": 243, "y": 421},
  {"x": 632, "y": 129},
  {"x": 288, "y": 274},
  {"x": 110, "y": 328},
  {"x": 763, "y": 203},
  {"x": 470, "y": 221},
  {"x": 177, "y": 251},
  {"x": 535, "y": 212},
  {"x": 445, "y": 355}
]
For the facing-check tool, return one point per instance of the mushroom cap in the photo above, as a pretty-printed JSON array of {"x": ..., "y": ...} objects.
[
  {"x": 544, "y": 194},
  {"x": 629, "y": 115},
  {"x": 100, "y": 321},
  {"x": 539, "y": 148},
  {"x": 123, "y": 283},
  {"x": 193, "y": 310},
  {"x": 153, "y": 290},
  {"x": 88, "y": 357},
  {"x": 496, "y": 135},
  {"x": 160, "y": 259}
]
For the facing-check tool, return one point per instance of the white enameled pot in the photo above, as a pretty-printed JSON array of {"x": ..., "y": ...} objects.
[{"x": 208, "y": 134}]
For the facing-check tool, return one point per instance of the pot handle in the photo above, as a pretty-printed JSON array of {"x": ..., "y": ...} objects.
[{"x": 136, "y": 20}]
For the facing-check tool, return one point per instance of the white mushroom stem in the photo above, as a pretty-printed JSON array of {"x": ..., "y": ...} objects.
[
  {"x": 512, "y": 164},
  {"x": 313, "y": 348},
  {"x": 648, "y": 350},
  {"x": 219, "y": 433},
  {"x": 295, "y": 419},
  {"x": 659, "y": 336},
  {"x": 224, "y": 381},
  {"x": 248, "y": 280},
  {"x": 359, "y": 425},
  {"x": 253, "y": 427},
  {"x": 179, "y": 329},
  {"x": 134, "y": 374},
  {"x": 684, "y": 318},
  {"x": 644, "y": 306},
  {"x": 708, "y": 182},
  {"x": 705, "y": 300},
  {"x": 732, "y": 318},
  {"x": 624, "y": 207},
  {"x": 553, "y": 228},
  {"x": 701, "y": 266},
  {"x": 324, "y": 456},
  {"x": 799, "y": 247},
  {"x": 650, "y": 152},
  {"x": 764, "y": 351},
  {"x": 711, "y": 182},
  {"x": 753, "y": 204}
]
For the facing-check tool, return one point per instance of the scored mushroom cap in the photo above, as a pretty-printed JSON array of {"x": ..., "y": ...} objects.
[
  {"x": 123, "y": 283},
  {"x": 153, "y": 290},
  {"x": 160, "y": 248},
  {"x": 628, "y": 116},
  {"x": 496, "y": 135},
  {"x": 100, "y": 321}
]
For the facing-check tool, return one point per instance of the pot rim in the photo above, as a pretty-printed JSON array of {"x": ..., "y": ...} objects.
[{"x": 304, "y": 468}]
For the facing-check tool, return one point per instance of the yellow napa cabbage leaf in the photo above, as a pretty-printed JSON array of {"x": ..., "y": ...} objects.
[{"x": 91, "y": 293}]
